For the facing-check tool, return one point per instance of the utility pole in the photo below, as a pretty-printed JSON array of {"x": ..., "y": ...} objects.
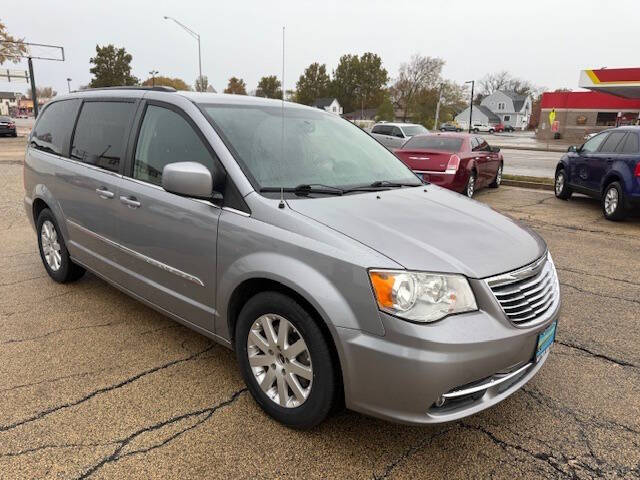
[
  {"x": 34, "y": 97},
  {"x": 69, "y": 84},
  {"x": 472, "y": 82},
  {"x": 435, "y": 124}
]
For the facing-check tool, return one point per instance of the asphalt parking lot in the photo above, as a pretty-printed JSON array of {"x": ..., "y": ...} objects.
[{"x": 94, "y": 384}]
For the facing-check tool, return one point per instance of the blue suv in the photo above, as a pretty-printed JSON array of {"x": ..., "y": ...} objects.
[{"x": 607, "y": 167}]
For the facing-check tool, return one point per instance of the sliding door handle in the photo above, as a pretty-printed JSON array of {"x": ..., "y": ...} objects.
[{"x": 131, "y": 202}]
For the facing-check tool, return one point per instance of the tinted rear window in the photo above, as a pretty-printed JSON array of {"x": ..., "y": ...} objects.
[
  {"x": 100, "y": 133},
  {"x": 5, "y": 119},
  {"x": 612, "y": 141},
  {"x": 630, "y": 144},
  {"x": 435, "y": 142},
  {"x": 53, "y": 128}
]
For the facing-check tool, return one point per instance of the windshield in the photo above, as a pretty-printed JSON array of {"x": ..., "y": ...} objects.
[
  {"x": 412, "y": 130},
  {"x": 319, "y": 148},
  {"x": 434, "y": 142}
]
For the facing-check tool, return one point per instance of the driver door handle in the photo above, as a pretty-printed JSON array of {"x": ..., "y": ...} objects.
[{"x": 131, "y": 202}]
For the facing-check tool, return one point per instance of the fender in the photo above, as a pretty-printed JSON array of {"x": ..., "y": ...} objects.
[
  {"x": 312, "y": 285},
  {"x": 619, "y": 173},
  {"x": 41, "y": 192}
]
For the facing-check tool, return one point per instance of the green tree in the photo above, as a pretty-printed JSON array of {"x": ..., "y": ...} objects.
[
  {"x": 385, "y": 110},
  {"x": 236, "y": 86},
  {"x": 8, "y": 50},
  {"x": 314, "y": 83},
  {"x": 269, "y": 87},
  {"x": 111, "y": 67},
  {"x": 359, "y": 82},
  {"x": 176, "y": 83}
]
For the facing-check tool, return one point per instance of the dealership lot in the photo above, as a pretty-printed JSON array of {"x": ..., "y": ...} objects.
[{"x": 95, "y": 384}]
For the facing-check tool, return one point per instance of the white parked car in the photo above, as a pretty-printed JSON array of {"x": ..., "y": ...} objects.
[
  {"x": 394, "y": 135},
  {"x": 482, "y": 127}
]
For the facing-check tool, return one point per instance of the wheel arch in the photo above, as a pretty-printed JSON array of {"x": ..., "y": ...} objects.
[
  {"x": 612, "y": 176},
  {"x": 43, "y": 198},
  {"x": 252, "y": 286}
]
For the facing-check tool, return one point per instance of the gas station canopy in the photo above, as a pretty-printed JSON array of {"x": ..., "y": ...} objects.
[{"x": 622, "y": 82}]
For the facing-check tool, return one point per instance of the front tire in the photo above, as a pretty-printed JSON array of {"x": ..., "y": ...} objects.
[
  {"x": 491, "y": 130},
  {"x": 475, "y": 130},
  {"x": 614, "y": 205},
  {"x": 53, "y": 251},
  {"x": 285, "y": 360},
  {"x": 561, "y": 187}
]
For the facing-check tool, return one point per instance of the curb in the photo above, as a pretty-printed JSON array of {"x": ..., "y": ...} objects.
[
  {"x": 551, "y": 148},
  {"x": 534, "y": 185}
]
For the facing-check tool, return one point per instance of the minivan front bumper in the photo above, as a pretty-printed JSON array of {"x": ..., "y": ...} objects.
[{"x": 402, "y": 375}]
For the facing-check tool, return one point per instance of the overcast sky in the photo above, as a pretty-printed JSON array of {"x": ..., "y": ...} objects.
[{"x": 545, "y": 42}]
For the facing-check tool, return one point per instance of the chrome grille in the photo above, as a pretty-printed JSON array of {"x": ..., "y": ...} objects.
[{"x": 529, "y": 295}]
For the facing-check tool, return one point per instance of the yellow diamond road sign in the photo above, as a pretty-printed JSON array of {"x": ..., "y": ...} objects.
[{"x": 552, "y": 116}]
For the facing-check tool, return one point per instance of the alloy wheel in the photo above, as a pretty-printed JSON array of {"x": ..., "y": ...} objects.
[
  {"x": 280, "y": 361},
  {"x": 50, "y": 245},
  {"x": 471, "y": 184},
  {"x": 611, "y": 201},
  {"x": 559, "y": 183},
  {"x": 499, "y": 176}
]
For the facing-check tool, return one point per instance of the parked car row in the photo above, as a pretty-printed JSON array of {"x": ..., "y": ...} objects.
[
  {"x": 476, "y": 127},
  {"x": 334, "y": 273},
  {"x": 607, "y": 167}
]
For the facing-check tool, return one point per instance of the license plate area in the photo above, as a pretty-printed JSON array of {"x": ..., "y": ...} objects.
[{"x": 545, "y": 340}]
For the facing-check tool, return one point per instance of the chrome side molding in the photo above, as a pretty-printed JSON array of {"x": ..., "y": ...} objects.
[{"x": 138, "y": 255}]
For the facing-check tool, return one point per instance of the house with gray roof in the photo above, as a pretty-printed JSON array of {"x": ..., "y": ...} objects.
[
  {"x": 481, "y": 114},
  {"x": 328, "y": 104},
  {"x": 512, "y": 108}
]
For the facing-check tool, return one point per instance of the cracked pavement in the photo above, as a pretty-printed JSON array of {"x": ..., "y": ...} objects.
[{"x": 95, "y": 385}]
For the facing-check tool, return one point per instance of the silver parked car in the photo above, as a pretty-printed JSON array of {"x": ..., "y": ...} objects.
[
  {"x": 291, "y": 236},
  {"x": 394, "y": 135}
]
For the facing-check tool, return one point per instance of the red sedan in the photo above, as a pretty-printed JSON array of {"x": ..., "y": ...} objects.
[{"x": 457, "y": 161}]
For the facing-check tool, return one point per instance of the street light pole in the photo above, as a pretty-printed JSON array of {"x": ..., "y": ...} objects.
[
  {"x": 472, "y": 82},
  {"x": 197, "y": 37},
  {"x": 69, "y": 84},
  {"x": 435, "y": 124},
  {"x": 153, "y": 74}
]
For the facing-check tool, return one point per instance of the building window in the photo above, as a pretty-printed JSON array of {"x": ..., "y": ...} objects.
[
  {"x": 507, "y": 118},
  {"x": 334, "y": 109},
  {"x": 606, "y": 119},
  {"x": 501, "y": 106}
]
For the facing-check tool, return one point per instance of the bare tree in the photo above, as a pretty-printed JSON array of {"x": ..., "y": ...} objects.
[
  {"x": 202, "y": 83},
  {"x": 503, "y": 80},
  {"x": 419, "y": 74}
]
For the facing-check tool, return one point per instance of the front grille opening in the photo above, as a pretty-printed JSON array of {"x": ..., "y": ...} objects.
[{"x": 527, "y": 294}]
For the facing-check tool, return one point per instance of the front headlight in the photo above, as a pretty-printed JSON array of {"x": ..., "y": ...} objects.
[{"x": 421, "y": 297}]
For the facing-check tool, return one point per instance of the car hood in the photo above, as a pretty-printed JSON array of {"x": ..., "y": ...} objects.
[{"x": 430, "y": 229}]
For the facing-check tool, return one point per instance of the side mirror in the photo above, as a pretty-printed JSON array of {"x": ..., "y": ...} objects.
[
  {"x": 572, "y": 148},
  {"x": 495, "y": 149},
  {"x": 189, "y": 179}
]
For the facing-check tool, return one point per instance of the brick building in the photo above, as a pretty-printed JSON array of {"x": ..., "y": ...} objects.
[{"x": 581, "y": 113}]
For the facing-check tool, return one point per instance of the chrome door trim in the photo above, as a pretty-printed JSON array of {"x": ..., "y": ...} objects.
[
  {"x": 238, "y": 212},
  {"x": 138, "y": 255},
  {"x": 158, "y": 187}
]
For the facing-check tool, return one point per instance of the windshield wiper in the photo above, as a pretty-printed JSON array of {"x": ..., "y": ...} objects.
[
  {"x": 387, "y": 183},
  {"x": 306, "y": 189}
]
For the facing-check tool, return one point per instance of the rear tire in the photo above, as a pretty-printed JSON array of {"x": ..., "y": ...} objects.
[
  {"x": 614, "y": 205},
  {"x": 53, "y": 251},
  {"x": 561, "y": 187},
  {"x": 470, "y": 187},
  {"x": 491, "y": 130},
  {"x": 273, "y": 368},
  {"x": 498, "y": 180},
  {"x": 475, "y": 130}
]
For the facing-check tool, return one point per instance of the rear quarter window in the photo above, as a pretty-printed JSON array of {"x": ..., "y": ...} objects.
[
  {"x": 52, "y": 131},
  {"x": 101, "y": 133},
  {"x": 631, "y": 144}
]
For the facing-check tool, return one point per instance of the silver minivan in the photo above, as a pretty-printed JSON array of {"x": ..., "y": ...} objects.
[
  {"x": 394, "y": 135},
  {"x": 294, "y": 238}
]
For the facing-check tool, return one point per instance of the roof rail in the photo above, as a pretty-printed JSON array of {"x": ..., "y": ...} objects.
[{"x": 134, "y": 87}]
